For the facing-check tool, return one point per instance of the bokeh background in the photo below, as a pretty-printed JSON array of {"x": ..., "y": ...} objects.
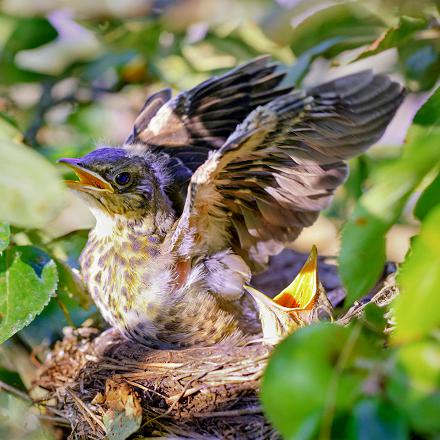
[{"x": 74, "y": 74}]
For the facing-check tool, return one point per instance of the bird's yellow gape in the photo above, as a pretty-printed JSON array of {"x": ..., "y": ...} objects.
[
  {"x": 88, "y": 180},
  {"x": 294, "y": 306},
  {"x": 301, "y": 293}
]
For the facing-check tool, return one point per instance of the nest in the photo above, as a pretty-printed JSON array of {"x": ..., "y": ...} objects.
[
  {"x": 211, "y": 392},
  {"x": 99, "y": 385}
]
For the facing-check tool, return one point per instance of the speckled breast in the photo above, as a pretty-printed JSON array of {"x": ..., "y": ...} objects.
[
  {"x": 125, "y": 274},
  {"x": 135, "y": 283}
]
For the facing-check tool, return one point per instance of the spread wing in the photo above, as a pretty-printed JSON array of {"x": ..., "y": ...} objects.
[
  {"x": 281, "y": 166},
  {"x": 195, "y": 122}
]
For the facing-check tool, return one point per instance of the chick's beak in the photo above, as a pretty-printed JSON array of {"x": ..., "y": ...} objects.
[
  {"x": 88, "y": 180},
  {"x": 294, "y": 306}
]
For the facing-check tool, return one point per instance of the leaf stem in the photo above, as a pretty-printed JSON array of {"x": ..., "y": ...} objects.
[
  {"x": 330, "y": 404},
  {"x": 16, "y": 392}
]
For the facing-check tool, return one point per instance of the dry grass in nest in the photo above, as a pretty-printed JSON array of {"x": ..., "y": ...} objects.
[
  {"x": 193, "y": 393},
  {"x": 90, "y": 378}
]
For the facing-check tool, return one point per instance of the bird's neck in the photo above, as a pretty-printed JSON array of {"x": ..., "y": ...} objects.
[{"x": 108, "y": 225}]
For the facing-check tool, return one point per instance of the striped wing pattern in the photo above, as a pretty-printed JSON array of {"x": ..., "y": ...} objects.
[{"x": 282, "y": 164}]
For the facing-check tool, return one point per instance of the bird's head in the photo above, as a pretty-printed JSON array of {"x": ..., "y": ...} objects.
[{"x": 116, "y": 181}]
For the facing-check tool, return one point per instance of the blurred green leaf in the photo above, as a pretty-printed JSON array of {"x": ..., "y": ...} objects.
[
  {"x": 140, "y": 35},
  {"x": 70, "y": 284},
  {"x": 28, "y": 279},
  {"x": 428, "y": 200},
  {"x": 428, "y": 114},
  {"x": 12, "y": 378},
  {"x": 396, "y": 36},
  {"x": 47, "y": 327},
  {"x": 415, "y": 383},
  {"x": 363, "y": 237},
  {"x": 5, "y": 117},
  {"x": 300, "y": 68},
  {"x": 29, "y": 33},
  {"x": 30, "y": 191},
  {"x": 69, "y": 247},
  {"x": 5, "y": 232},
  {"x": 421, "y": 63},
  {"x": 105, "y": 62},
  {"x": 417, "y": 308},
  {"x": 374, "y": 319},
  {"x": 8, "y": 130},
  {"x": 309, "y": 373},
  {"x": 18, "y": 421},
  {"x": 350, "y": 22},
  {"x": 378, "y": 420},
  {"x": 359, "y": 171}
]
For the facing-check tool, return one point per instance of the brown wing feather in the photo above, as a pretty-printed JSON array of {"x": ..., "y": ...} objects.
[
  {"x": 281, "y": 166},
  {"x": 197, "y": 121}
]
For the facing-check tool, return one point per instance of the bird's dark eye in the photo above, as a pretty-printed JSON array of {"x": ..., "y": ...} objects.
[{"x": 123, "y": 179}]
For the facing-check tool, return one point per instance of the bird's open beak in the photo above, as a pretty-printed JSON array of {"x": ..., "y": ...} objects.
[
  {"x": 88, "y": 180},
  {"x": 294, "y": 306},
  {"x": 301, "y": 292}
]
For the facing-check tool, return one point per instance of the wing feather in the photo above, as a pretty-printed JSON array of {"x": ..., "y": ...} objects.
[
  {"x": 282, "y": 164},
  {"x": 206, "y": 115}
]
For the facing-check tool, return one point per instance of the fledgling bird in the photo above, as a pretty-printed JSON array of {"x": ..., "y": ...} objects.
[{"x": 208, "y": 185}]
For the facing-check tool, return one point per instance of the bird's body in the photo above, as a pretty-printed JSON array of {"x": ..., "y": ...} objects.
[
  {"x": 207, "y": 186},
  {"x": 149, "y": 293}
]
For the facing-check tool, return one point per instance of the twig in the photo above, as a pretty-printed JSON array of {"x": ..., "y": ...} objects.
[
  {"x": 86, "y": 411},
  {"x": 187, "y": 393},
  {"x": 12, "y": 390},
  {"x": 60, "y": 421},
  {"x": 230, "y": 413},
  {"x": 142, "y": 387},
  {"x": 66, "y": 312}
]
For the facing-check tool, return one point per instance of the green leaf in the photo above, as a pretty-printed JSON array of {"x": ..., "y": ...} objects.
[
  {"x": 417, "y": 308},
  {"x": 5, "y": 232},
  {"x": 421, "y": 63},
  {"x": 31, "y": 192},
  {"x": 429, "y": 114},
  {"x": 104, "y": 63},
  {"x": 28, "y": 279},
  {"x": 395, "y": 36},
  {"x": 29, "y": 33},
  {"x": 302, "y": 65},
  {"x": 428, "y": 200},
  {"x": 12, "y": 378},
  {"x": 124, "y": 415},
  {"x": 414, "y": 385},
  {"x": 363, "y": 237},
  {"x": 352, "y": 23},
  {"x": 18, "y": 420},
  {"x": 311, "y": 372},
  {"x": 119, "y": 426},
  {"x": 72, "y": 285},
  {"x": 48, "y": 325},
  {"x": 376, "y": 419},
  {"x": 8, "y": 130}
]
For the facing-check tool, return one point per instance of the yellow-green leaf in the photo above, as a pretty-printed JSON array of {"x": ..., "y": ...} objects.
[
  {"x": 417, "y": 308},
  {"x": 28, "y": 279},
  {"x": 31, "y": 192},
  {"x": 4, "y": 236}
]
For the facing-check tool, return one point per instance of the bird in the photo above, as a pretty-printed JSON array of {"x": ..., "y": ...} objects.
[
  {"x": 207, "y": 186},
  {"x": 299, "y": 304}
]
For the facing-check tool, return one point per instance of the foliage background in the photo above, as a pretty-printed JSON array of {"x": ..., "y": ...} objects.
[{"x": 73, "y": 74}]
